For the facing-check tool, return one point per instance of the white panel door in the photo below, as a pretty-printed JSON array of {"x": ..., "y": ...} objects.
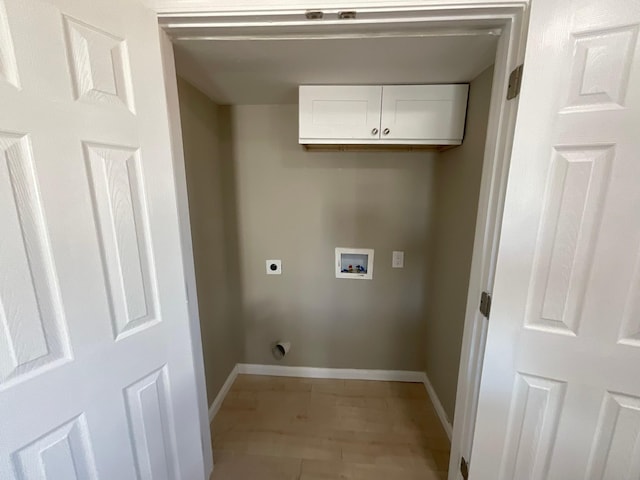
[
  {"x": 560, "y": 390},
  {"x": 330, "y": 113},
  {"x": 424, "y": 113},
  {"x": 96, "y": 367}
]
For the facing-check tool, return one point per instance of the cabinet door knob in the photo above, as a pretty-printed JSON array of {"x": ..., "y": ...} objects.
[
  {"x": 374, "y": 131},
  {"x": 386, "y": 131}
]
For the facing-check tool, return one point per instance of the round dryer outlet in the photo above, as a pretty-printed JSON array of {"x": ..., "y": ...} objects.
[{"x": 274, "y": 267}]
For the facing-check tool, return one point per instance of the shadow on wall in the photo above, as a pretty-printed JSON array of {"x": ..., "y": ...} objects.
[
  {"x": 208, "y": 154},
  {"x": 232, "y": 243},
  {"x": 456, "y": 195}
]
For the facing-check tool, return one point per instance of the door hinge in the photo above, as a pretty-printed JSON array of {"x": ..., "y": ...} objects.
[
  {"x": 515, "y": 80},
  {"x": 485, "y": 304},
  {"x": 464, "y": 468}
]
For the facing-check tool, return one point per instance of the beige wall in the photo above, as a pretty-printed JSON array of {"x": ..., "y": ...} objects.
[
  {"x": 458, "y": 173},
  {"x": 209, "y": 172},
  {"x": 255, "y": 194},
  {"x": 298, "y": 206}
]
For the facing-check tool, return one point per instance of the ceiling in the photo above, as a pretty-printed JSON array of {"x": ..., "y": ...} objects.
[{"x": 265, "y": 71}]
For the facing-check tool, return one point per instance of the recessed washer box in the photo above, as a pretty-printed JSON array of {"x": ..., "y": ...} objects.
[{"x": 356, "y": 263}]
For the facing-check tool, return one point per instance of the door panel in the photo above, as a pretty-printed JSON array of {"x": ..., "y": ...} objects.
[
  {"x": 8, "y": 67},
  {"x": 96, "y": 364},
  {"x": 99, "y": 63},
  {"x": 578, "y": 180},
  {"x": 31, "y": 317},
  {"x": 564, "y": 318},
  {"x": 535, "y": 410},
  {"x": 151, "y": 419},
  {"x": 120, "y": 212},
  {"x": 616, "y": 452},
  {"x": 630, "y": 328},
  {"x": 61, "y": 453}
]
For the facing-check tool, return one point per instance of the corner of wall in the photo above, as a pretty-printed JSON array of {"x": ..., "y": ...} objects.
[
  {"x": 209, "y": 178},
  {"x": 459, "y": 172}
]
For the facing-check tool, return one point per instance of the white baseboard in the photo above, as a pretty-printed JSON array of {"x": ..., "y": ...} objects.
[
  {"x": 442, "y": 415},
  {"x": 217, "y": 402},
  {"x": 339, "y": 373}
]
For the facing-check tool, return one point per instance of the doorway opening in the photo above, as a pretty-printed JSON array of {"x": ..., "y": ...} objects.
[{"x": 255, "y": 195}]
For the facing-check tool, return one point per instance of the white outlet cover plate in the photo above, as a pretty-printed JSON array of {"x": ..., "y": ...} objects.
[
  {"x": 397, "y": 260},
  {"x": 277, "y": 270}
]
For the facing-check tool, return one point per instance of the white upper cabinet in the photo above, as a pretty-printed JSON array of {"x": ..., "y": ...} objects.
[
  {"x": 390, "y": 114},
  {"x": 339, "y": 114},
  {"x": 432, "y": 114}
]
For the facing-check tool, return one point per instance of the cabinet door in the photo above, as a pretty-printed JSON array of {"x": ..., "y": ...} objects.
[
  {"x": 429, "y": 114},
  {"x": 331, "y": 113}
]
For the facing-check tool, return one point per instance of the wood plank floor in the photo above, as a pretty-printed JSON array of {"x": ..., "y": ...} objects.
[{"x": 272, "y": 428}]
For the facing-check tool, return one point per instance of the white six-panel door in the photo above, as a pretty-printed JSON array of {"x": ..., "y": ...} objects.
[
  {"x": 560, "y": 390},
  {"x": 96, "y": 369}
]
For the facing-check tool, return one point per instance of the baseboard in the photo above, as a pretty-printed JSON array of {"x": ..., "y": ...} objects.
[
  {"x": 339, "y": 373},
  {"x": 442, "y": 415},
  {"x": 217, "y": 402}
]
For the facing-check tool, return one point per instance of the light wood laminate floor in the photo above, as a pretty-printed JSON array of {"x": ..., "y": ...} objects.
[{"x": 282, "y": 428}]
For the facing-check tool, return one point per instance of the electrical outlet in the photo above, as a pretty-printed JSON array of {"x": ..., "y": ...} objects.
[
  {"x": 397, "y": 260},
  {"x": 274, "y": 267}
]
